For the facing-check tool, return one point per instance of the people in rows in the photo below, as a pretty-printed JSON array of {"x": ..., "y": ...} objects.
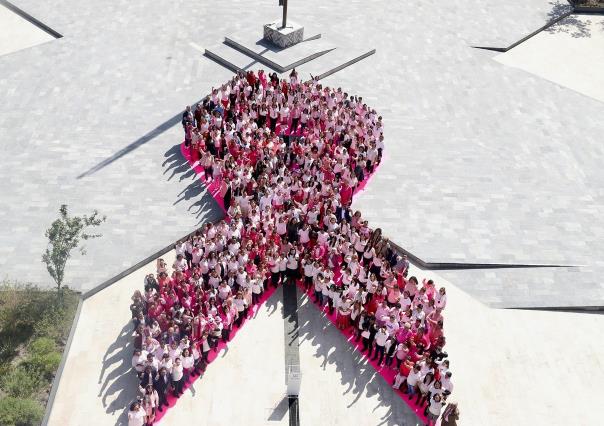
[{"x": 288, "y": 157}]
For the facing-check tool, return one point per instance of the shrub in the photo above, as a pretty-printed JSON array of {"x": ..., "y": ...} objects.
[
  {"x": 55, "y": 322},
  {"x": 43, "y": 358},
  {"x": 21, "y": 382},
  {"x": 43, "y": 365},
  {"x": 20, "y": 412},
  {"x": 41, "y": 346},
  {"x": 20, "y": 308}
]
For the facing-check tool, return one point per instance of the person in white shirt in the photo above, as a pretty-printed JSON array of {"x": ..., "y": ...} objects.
[
  {"x": 152, "y": 362},
  {"x": 424, "y": 387},
  {"x": 436, "y": 404},
  {"x": 380, "y": 342},
  {"x": 283, "y": 268},
  {"x": 446, "y": 382},
  {"x": 274, "y": 266},
  {"x": 412, "y": 379},
  {"x": 292, "y": 266},
  {"x": 318, "y": 286},
  {"x": 256, "y": 284},
  {"x": 326, "y": 289},
  {"x": 136, "y": 415},
  {"x": 214, "y": 279},
  {"x": 180, "y": 264},
  {"x": 391, "y": 324},
  {"x": 177, "y": 377},
  {"x": 309, "y": 272},
  {"x": 440, "y": 298},
  {"x": 398, "y": 379},
  {"x": 188, "y": 363},
  {"x": 224, "y": 290},
  {"x": 304, "y": 234},
  {"x": 138, "y": 360},
  {"x": 166, "y": 362},
  {"x": 241, "y": 306}
]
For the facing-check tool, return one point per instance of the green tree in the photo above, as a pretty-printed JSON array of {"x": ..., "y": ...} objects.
[{"x": 64, "y": 235}]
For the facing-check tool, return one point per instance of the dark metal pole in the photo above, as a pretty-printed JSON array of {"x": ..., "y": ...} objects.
[{"x": 284, "y": 13}]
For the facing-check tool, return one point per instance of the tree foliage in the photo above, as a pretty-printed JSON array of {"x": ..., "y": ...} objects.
[{"x": 65, "y": 235}]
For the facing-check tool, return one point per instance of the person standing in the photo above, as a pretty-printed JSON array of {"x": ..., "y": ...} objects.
[
  {"x": 436, "y": 404},
  {"x": 162, "y": 385},
  {"x": 177, "y": 377},
  {"x": 188, "y": 363},
  {"x": 136, "y": 415},
  {"x": 187, "y": 117},
  {"x": 150, "y": 402},
  {"x": 380, "y": 343},
  {"x": 412, "y": 379},
  {"x": 226, "y": 192}
]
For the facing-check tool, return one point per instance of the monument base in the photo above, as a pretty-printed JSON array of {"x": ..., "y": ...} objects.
[{"x": 283, "y": 37}]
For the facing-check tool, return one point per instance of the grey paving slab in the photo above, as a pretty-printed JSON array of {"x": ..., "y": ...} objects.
[{"x": 483, "y": 163}]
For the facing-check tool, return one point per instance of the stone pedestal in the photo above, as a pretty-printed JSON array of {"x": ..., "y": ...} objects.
[{"x": 283, "y": 37}]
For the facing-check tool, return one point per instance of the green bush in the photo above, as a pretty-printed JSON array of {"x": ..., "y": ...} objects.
[
  {"x": 34, "y": 325},
  {"x": 41, "y": 346},
  {"x": 20, "y": 412},
  {"x": 21, "y": 382},
  {"x": 20, "y": 309},
  {"x": 55, "y": 322},
  {"x": 43, "y": 358}
]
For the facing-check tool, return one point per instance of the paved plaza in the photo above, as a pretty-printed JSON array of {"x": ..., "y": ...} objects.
[{"x": 491, "y": 158}]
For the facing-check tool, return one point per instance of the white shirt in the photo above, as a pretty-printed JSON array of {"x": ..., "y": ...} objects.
[
  {"x": 304, "y": 235},
  {"x": 309, "y": 269},
  {"x": 446, "y": 382},
  {"x": 380, "y": 338},
  {"x": 283, "y": 264},
  {"x": 136, "y": 418},
  {"x": 188, "y": 361},
  {"x": 239, "y": 304},
  {"x": 292, "y": 262},
  {"x": 440, "y": 300},
  {"x": 435, "y": 407},
  {"x": 413, "y": 377},
  {"x": 138, "y": 362},
  {"x": 180, "y": 265},
  {"x": 177, "y": 372}
]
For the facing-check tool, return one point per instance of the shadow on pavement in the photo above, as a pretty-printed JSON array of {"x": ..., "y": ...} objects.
[
  {"x": 117, "y": 380},
  {"x": 203, "y": 205}
]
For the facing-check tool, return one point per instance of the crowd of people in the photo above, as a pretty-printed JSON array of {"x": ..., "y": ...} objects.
[{"x": 287, "y": 156}]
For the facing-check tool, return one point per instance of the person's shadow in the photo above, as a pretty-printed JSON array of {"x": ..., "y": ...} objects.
[
  {"x": 117, "y": 379},
  {"x": 203, "y": 205}
]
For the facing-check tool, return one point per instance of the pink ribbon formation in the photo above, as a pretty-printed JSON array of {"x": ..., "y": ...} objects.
[{"x": 284, "y": 159}]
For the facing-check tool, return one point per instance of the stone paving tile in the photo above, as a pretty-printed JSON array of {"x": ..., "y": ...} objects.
[{"x": 484, "y": 163}]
